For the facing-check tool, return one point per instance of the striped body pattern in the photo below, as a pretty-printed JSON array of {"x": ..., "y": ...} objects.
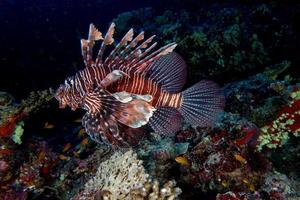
[{"x": 133, "y": 86}]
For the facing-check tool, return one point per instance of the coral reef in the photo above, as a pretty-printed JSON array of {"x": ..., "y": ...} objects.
[
  {"x": 260, "y": 96},
  {"x": 252, "y": 152},
  {"x": 222, "y": 159}
]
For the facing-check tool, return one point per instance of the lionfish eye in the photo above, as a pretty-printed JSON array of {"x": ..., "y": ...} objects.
[{"x": 70, "y": 80}]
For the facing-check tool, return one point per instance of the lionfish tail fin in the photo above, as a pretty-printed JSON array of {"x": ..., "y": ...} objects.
[{"x": 202, "y": 103}]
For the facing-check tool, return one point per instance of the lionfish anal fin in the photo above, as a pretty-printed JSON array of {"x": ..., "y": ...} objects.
[{"x": 166, "y": 120}]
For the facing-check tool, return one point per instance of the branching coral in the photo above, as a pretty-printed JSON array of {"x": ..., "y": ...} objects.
[
  {"x": 118, "y": 175},
  {"x": 122, "y": 176}
]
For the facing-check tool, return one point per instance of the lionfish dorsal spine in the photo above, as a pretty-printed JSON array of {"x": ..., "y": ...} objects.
[
  {"x": 145, "y": 62},
  {"x": 87, "y": 45},
  {"x": 136, "y": 54},
  {"x": 134, "y": 58},
  {"x": 127, "y": 38},
  {"x": 129, "y": 53},
  {"x": 108, "y": 40}
]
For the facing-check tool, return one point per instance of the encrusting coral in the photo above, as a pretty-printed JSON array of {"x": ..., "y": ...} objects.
[
  {"x": 123, "y": 176},
  {"x": 278, "y": 131}
]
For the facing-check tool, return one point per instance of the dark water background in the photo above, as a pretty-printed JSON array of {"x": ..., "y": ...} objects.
[{"x": 39, "y": 40}]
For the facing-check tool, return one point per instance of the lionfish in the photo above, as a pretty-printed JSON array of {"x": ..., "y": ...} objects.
[{"x": 136, "y": 84}]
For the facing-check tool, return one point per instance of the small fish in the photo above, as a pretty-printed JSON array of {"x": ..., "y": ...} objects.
[
  {"x": 67, "y": 147},
  {"x": 7, "y": 177},
  {"x": 133, "y": 86},
  {"x": 250, "y": 137},
  {"x": 77, "y": 120},
  {"x": 246, "y": 181},
  {"x": 62, "y": 157},
  {"x": 225, "y": 183},
  {"x": 251, "y": 187},
  {"x": 48, "y": 125},
  {"x": 240, "y": 159},
  {"x": 84, "y": 142},
  {"x": 42, "y": 155},
  {"x": 182, "y": 160}
]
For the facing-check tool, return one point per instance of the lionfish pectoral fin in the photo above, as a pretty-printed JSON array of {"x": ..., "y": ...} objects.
[
  {"x": 166, "y": 120},
  {"x": 105, "y": 129},
  {"x": 113, "y": 118},
  {"x": 93, "y": 101},
  {"x": 135, "y": 113},
  {"x": 112, "y": 77},
  {"x": 126, "y": 97},
  {"x": 135, "y": 110}
]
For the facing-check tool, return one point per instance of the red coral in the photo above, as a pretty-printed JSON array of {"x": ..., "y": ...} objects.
[
  {"x": 227, "y": 196},
  {"x": 275, "y": 195},
  {"x": 7, "y": 128}
]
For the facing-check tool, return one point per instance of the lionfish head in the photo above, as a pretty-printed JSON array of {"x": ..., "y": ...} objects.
[
  {"x": 65, "y": 96},
  {"x": 61, "y": 97}
]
